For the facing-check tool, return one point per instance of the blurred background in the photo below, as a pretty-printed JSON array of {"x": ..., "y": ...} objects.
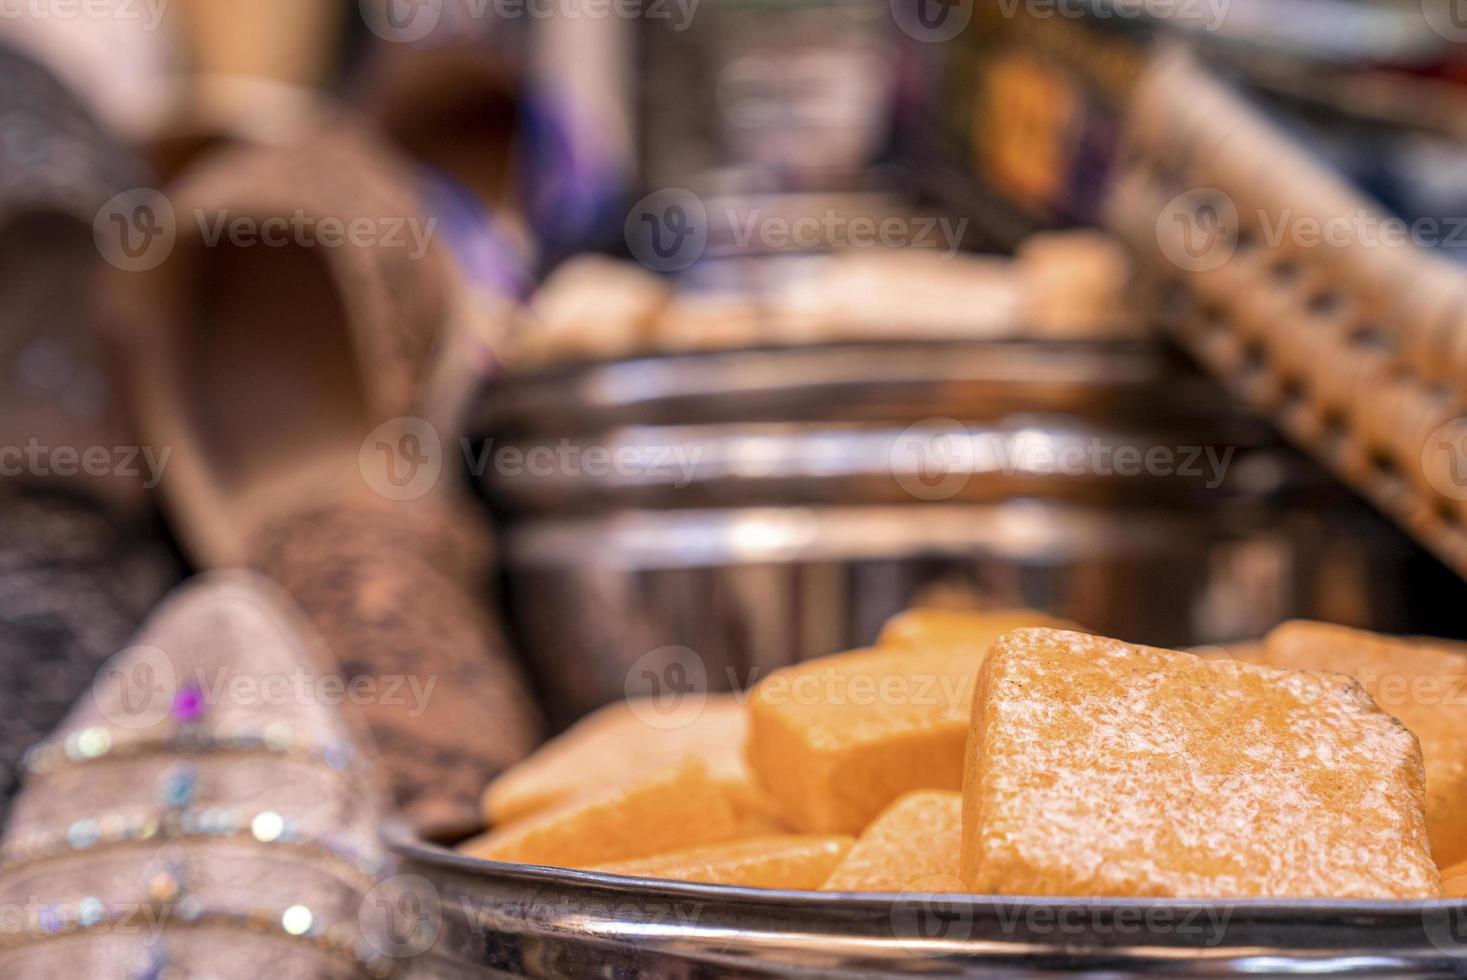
[{"x": 572, "y": 348}]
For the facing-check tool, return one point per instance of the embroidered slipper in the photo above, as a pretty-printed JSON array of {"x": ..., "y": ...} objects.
[
  {"x": 314, "y": 423},
  {"x": 205, "y": 809},
  {"x": 400, "y": 598},
  {"x": 297, "y": 309}
]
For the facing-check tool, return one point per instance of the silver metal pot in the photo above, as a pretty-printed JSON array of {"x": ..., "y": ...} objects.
[
  {"x": 702, "y": 519},
  {"x": 463, "y": 918}
]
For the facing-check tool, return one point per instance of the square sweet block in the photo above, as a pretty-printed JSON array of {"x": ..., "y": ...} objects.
[
  {"x": 668, "y": 810},
  {"x": 1422, "y": 684},
  {"x": 912, "y": 846},
  {"x": 1454, "y": 881},
  {"x": 1098, "y": 768},
  {"x": 613, "y": 746},
  {"x": 837, "y": 739},
  {"x": 793, "y": 861},
  {"x": 959, "y": 630}
]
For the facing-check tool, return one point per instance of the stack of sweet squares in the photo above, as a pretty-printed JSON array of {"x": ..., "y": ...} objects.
[{"x": 1006, "y": 753}]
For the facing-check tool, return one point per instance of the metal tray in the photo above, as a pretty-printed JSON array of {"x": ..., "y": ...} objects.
[{"x": 486, "y": 919}]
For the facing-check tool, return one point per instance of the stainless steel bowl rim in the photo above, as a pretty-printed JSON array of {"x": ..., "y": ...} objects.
[
  {"x": 572, "y": 919},
  {"x": 592, "y": 395},
  {"x": 1022, "y": 530}
]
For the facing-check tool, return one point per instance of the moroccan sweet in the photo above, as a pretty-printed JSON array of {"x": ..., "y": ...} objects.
[
  {"x": 672, "y": 809},
  {"x": 837, "y": 739},
  {"x": 958, "y": 630},
  {"x": 758, "y": 813},
  {"x": 913, "y": 842},
  {"x": 1423, "y": 685},
  {"x": 1098, "y": 768},
  {"x": 1247, "y": 653},
  {"x": 1454, "y": 881},
  {"x": 791, "y": 861},
  {"x": 614, "y": 746}
]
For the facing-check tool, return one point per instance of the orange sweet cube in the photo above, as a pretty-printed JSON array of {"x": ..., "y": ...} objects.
[
  {"x": 613, "y": 746},
  {"x": 1423, "y": 685},
  {"x": 1098, "y": 768},
  {"x": 791, "y": 861},
  {"x": 958, "y": 630},
  {"x": 671, "y": 809},
  {"x": 758, "y": 813},
  {"x": 914, "y": 841},
  {"x": 1454, "y": 882},
  {"x": 1247, "y": 653},
  {"x": 837, "y": 739}
]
